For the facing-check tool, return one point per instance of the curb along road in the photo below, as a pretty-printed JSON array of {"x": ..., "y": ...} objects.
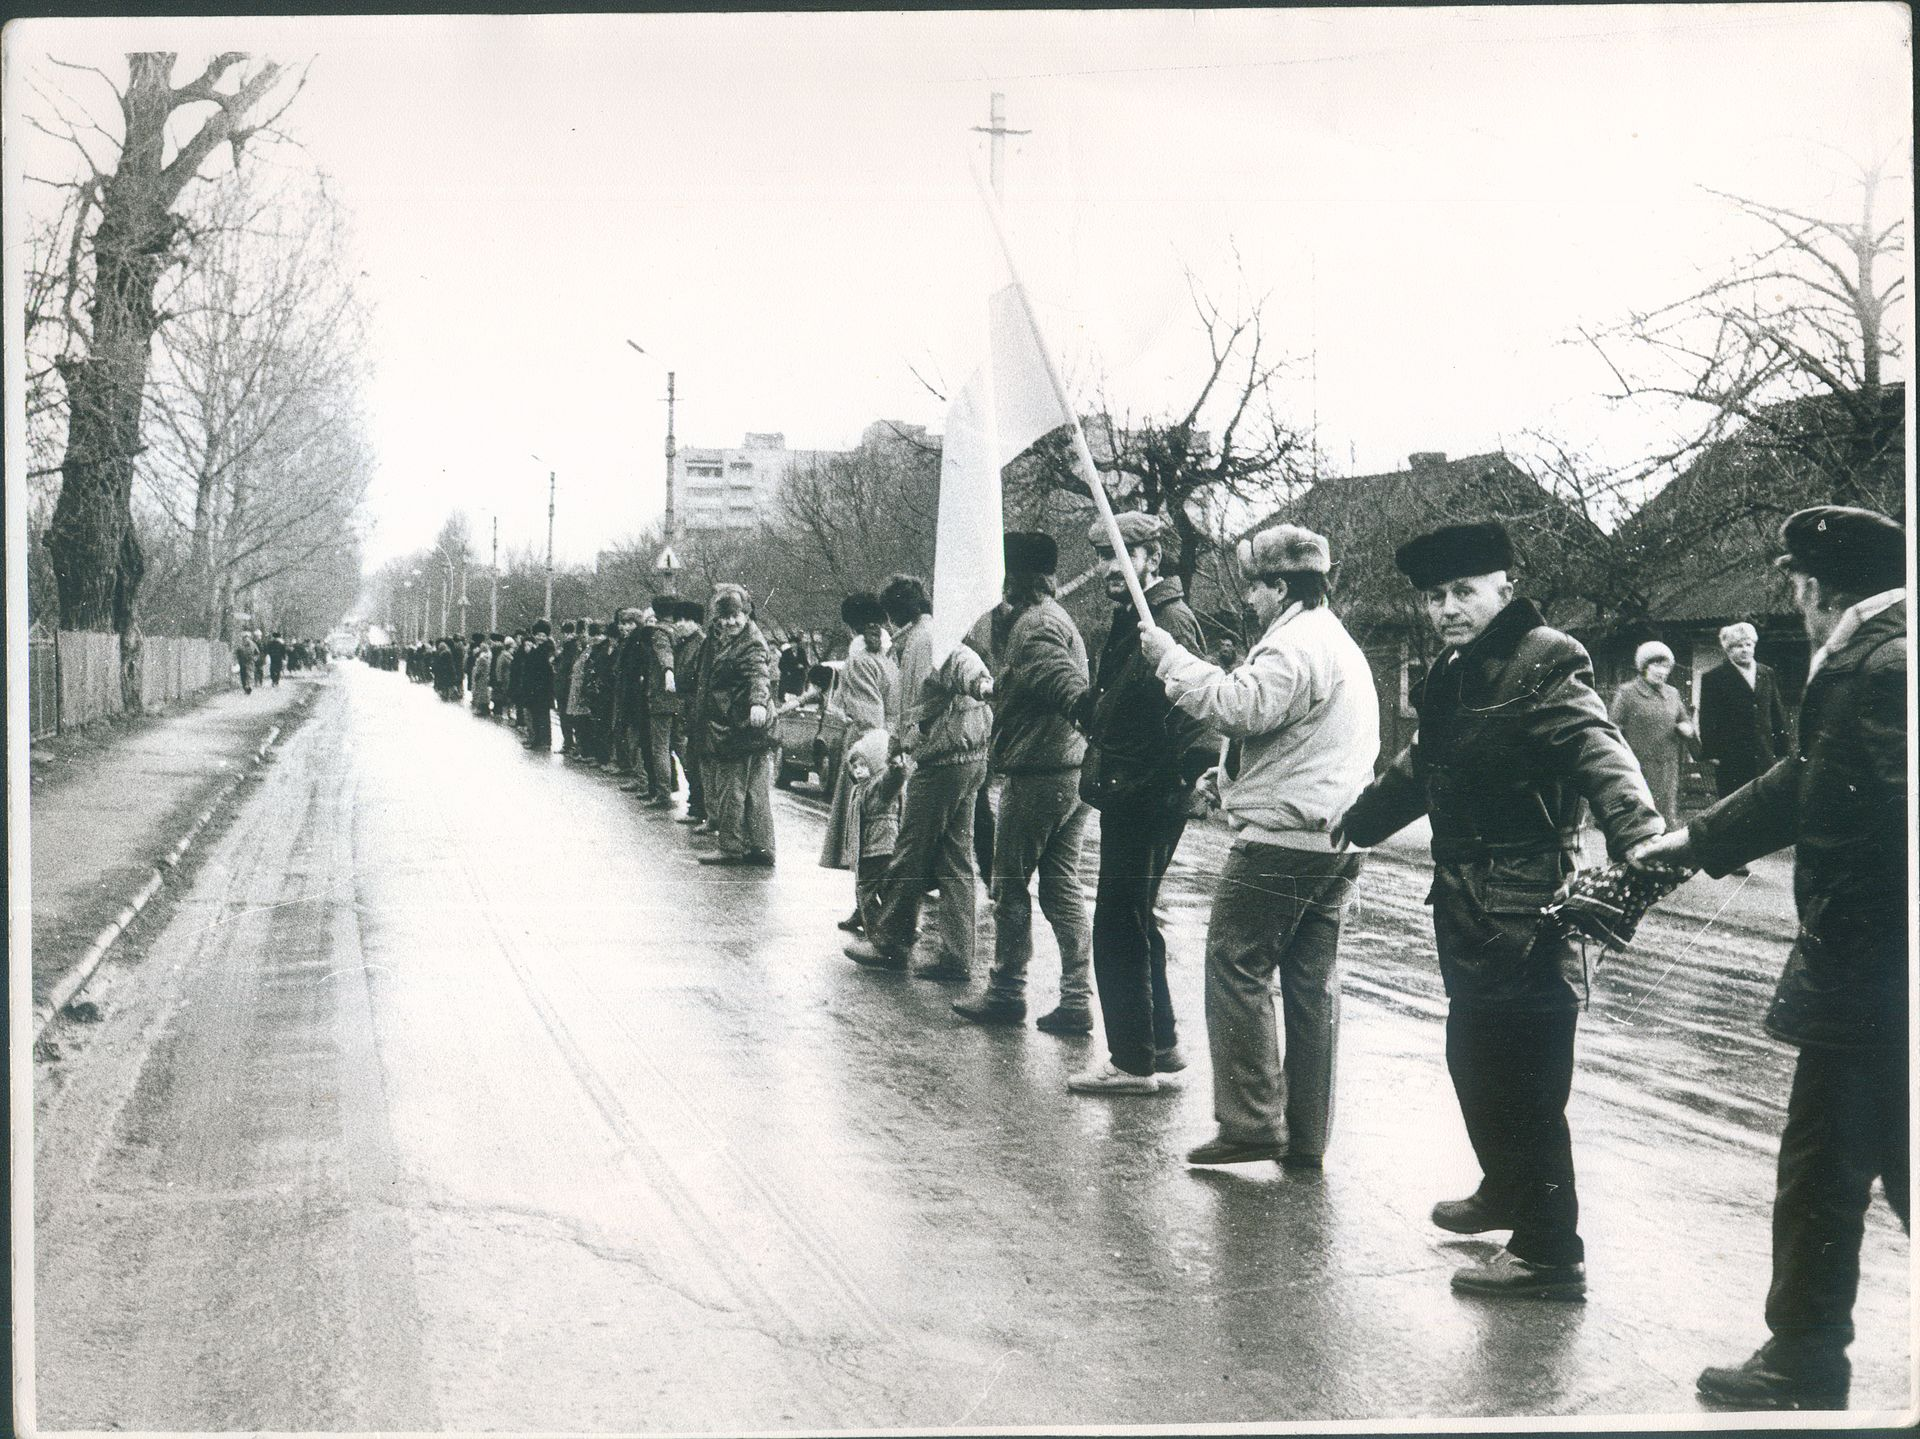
[{"x": 83, "y": 969}]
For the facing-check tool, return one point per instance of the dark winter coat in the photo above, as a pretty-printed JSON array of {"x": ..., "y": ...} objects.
[
  {"x": 695, "y": 658},
  {"x": 1511, "y": 739},
  {"x": 1039, "y": 671},
  {"x": 660, "y": 662},
  {"x": 533, "y": 673},
  {"x": 739, "y": 676},
  {"x": 1743, "y": 728},
  {"x": 630, "y": 679},
  {"x": 1840, "y": 799},
  {"x": 1138, "y": 739},
  {"x": 597, "y": 692}
]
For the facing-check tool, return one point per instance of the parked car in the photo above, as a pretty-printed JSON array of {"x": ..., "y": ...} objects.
[{"x": 811, "y": 732}]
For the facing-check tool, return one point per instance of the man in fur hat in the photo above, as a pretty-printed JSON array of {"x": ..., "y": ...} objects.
[
  {"x": 1304, "y": 710},
  {"x": 1512, "y": 737}
]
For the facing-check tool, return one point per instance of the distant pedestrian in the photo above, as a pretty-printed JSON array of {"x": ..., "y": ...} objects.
[
  {"x": 1512, "y": 740},
  {"x": 1303, "y": 707},
  {"x": 480, "y": 676},
  {"x": 504, "y": 648},
  {"x": 737, "y": 709},
  {"x": 1654, "y": 721},
  {"x": 659, "y": 706},
  {"x": 246, "y": 655},
  {"x": 1841, "y": 800},
  {"x": 566, "y": 651},
  {"x": 276, "y": 657}
]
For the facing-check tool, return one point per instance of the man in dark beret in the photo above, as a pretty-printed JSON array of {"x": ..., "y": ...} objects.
[
  {"x": 1035, "y": 757},
  {"x": 1511, "y": 739},
  {"x": 1841, "y": 801}
]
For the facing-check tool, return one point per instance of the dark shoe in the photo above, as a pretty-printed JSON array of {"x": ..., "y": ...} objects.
[
  {"x": 1508, "y": 1276},
  {"x": 691, "y": 818},
  {"x": 1291, "y": 1160},
  {"x": 659, "y": 801},
  {"x": 1472, "y": 1215},
  {"x": 633, "y": 788},
  {"x": 1169, "y": 1060},
  {"x": 1761, "y": 1383},
  {"x": 945, "y": 973},
  {"x": 851, "y": 924},
  {"x": 738, "y": 861},
  {"x": 1222, "y": 1150},
  {"x": 760, "y": 859},
  {"x": 990, "y": 1010},
  {"x": 1066, "y": 1021},
  {"x": 1744, "y": 873},
  {"x": 865, "y": 951}
]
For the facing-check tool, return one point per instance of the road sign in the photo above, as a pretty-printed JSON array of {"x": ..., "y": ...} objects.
[{"x": 668, "y": 561}]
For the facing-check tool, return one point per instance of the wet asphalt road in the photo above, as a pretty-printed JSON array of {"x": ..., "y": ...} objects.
[{"x": 456, "y": 1095}]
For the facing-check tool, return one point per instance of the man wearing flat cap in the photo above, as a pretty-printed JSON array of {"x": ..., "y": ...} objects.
[
  {"x": 1135, "y": 775},
  {"x": 1304, "y": 710},
  {"x": 1035, "y": 752},
  {"x": 1840, "y": 799},
  {"x": 1511, "y": 739}
]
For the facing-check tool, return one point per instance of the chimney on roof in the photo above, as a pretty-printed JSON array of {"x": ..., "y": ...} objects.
[{"x": 1425, "y": 461}]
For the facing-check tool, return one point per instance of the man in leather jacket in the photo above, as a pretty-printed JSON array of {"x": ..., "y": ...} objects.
[
  {"x": 1511, "y": 739},
  {"x": 1840, "y": 799}
]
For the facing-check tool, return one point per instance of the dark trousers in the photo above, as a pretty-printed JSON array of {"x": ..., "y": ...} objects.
[
  {"x": 983, "y": 832},
  {"x": 1846, "y": 1126},
  {"x": 1512, "y": 1072},
  {"x": 1129, "y": 952},
  {"x": 655, "y": 742},
  {"x": 568, "y": 742},
  {"x": 540, "y": 725}
]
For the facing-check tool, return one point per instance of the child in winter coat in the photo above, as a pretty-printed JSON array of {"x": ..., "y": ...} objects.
[{"x": 878, "y": 790}]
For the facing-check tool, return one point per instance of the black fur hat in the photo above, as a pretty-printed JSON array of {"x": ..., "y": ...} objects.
[
  {"x": 1453, "y": 551},
  {"x": 1030, "y": 552},
  {"x": 860, "y": 609}
]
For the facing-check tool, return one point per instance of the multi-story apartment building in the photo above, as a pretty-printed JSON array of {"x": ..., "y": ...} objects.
[{"x": 732, "y": 489}]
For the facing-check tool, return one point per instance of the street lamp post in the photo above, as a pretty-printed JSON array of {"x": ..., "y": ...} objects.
[
  {"x": 667, "y": 524},
  {"x": 493, "y": 586},
  {"x": 552, "y": 483}
]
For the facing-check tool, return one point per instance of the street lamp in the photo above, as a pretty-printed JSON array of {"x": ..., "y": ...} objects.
[
  {"x": 667, "y": 524},
  {"x": 547, "y": 613}
]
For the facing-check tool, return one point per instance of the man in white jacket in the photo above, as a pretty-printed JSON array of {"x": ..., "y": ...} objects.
[{"x": 1304, "y": 708}]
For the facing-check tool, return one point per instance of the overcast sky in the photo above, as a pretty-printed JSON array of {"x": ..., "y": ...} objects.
[{"x": 779, "y": 209}]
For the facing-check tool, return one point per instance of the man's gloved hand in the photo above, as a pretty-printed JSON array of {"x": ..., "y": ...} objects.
[
  {"x": 757, "y": 717},
  {"x": 668, "y": 682}
]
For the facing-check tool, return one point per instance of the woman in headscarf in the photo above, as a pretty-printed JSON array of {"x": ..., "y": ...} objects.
[
  {"x": 1654, "y": 719},
  {"x": 869, "y": 696}
]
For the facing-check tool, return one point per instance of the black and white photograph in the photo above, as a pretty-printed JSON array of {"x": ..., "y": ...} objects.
[{"x": 938, "y": 721}]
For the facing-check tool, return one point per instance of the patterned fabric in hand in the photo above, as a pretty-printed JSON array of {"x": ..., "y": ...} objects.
[{"x": 1608, "y": 904}]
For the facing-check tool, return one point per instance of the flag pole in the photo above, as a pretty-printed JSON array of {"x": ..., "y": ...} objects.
[{"x": 1084, "y": 455}]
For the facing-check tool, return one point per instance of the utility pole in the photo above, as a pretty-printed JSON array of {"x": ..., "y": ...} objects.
[
  {"x": 463, "y": 594},
  {"x": 667, "y": 528},
  {"x": 493, "y": 596},
  {"x": 996, "y": 129}
]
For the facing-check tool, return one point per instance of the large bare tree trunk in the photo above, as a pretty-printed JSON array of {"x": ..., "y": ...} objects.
[{"x": 96, "y": 556}]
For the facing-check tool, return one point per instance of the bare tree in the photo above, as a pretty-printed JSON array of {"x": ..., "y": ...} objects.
[
  {"x": 1808, "y": 313},
  {"x": 1225, "y": 454},
  {"x": 257, "y": 456},
  {"x": 137, "y": 238}
]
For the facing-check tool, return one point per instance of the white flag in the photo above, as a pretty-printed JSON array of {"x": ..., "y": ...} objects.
[{"x": 1005, "y": 406}]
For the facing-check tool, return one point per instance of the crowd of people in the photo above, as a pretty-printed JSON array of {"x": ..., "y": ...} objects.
[
  {"x": 1002, "y": 754},
  {"x": 264, "y": 658}
]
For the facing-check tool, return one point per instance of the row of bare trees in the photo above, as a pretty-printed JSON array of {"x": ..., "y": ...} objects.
[{"x": 195, "y": 356}]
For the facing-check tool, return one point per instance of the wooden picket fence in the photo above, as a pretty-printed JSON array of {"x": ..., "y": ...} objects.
[{"x": 74, "y": 676}]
